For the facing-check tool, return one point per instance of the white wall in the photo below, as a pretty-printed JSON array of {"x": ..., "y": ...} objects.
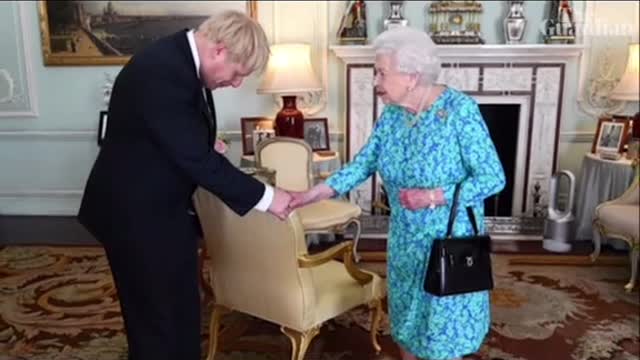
[{"x": 45, "y": 158}]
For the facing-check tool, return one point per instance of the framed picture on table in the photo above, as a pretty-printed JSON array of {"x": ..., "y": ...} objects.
[
  {"x": 316, "y": 133},
  {"x": 611, "y": 135},
  {"x": 260, "y": 127}
]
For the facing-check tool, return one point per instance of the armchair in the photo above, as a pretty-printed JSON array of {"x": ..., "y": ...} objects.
[
  {"x": 620, "y": 218},
  {"x": 260, "y": 266},
  {"x": 292, "y": 161}
]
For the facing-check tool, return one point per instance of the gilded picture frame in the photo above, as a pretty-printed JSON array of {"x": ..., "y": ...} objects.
[{"x": 109, "y": 32}]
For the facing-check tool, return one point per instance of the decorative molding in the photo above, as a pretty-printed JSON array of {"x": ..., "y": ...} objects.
[
  {"x": 361, "y": 107},
  {"x": 597, "y": 73},
  {"x": 57, "y": 135},
  {"x": 546, "y": 118},
  {"x": 463, "y": 79},
  {"x": 593, "y": 98},
  {"x": 40, "y": 193},
  {"x": 577, "y": 136},
  {"x": 40, "y": 201},
  {"x": 24, "y": 39},
  {"x": 539, "y": 53},
  {"x": 90, "y": 135},
  {"x": 11, "y": 96}
]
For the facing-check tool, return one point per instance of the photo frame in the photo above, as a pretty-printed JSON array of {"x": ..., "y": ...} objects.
[
  {"x": 611, "y": 135},
  {"x": 102, "y": 127},
  {"x": 316, "y": 133},
  {"x": 249, "y": 125},
  {"x": 109, "y": 32}
]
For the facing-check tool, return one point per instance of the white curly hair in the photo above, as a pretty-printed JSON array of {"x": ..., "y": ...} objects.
[{"x": 413, "y": 51}]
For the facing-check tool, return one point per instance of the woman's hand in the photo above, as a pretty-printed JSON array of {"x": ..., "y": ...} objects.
[
  {"x": 415, "y": 199},
  {"x": 316, "y": 193}
]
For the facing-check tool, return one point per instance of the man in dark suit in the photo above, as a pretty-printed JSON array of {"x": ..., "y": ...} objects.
[{"x": 158, "y": 149}]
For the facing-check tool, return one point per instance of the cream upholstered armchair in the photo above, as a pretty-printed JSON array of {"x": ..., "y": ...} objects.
[
  {"x": 292, "y": 160},
  {"x": 260, "y": 266},
  {"x": 620, "y": 218}
]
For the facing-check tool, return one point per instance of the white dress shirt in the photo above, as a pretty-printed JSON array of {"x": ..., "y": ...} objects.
[{"x": 267, "y": 197}]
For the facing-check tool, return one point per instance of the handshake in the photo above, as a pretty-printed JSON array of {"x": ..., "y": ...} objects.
[{"x": 284, "y": 202}]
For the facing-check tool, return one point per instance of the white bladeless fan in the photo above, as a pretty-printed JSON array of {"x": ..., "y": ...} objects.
[{"x": 558, "y": 226}]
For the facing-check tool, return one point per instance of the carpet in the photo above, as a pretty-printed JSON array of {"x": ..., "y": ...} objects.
[{"x": 58, "y": 303}]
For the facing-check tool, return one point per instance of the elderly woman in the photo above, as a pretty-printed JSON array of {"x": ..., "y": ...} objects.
[{"x": 428, "y": 138}]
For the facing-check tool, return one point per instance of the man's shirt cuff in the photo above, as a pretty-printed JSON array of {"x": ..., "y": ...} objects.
[{"x": 267, "y": 199}]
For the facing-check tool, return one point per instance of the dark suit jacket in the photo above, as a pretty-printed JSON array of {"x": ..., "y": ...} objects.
[{"x": 158, "y": 148}]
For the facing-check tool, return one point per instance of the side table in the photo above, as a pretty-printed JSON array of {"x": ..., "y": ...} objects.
[{"x": 600, "y": 180}]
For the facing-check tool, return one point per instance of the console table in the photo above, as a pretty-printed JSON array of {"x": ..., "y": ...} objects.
[{"x": 600, "y": 180}]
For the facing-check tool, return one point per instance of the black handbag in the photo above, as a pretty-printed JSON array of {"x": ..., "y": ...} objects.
[{"x": 459, "y": 265}]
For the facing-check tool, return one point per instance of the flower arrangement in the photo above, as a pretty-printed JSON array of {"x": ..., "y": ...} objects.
[{"x": 222, "y": 144}]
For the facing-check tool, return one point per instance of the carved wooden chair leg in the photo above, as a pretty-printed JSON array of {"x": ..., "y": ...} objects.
[
  {"x": 214, "y": 327},
  {"x": 634, "y": 254},
  {"x": 300, "y": 340},
  {"x": 375, "y": 307}
]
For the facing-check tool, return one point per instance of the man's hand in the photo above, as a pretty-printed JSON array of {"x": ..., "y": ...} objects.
[
  {"x": 280, "y": 204},
  {"x": 316, "y": 193},
  {"x": 300, "y": 198},
  {"x": 415, "y": 199}
]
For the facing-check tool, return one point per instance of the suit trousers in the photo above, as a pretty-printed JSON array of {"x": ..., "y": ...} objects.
[{"x": 158, "y": 289}]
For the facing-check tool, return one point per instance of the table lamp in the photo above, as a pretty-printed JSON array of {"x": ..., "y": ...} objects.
[
  {"x": 628, "y": 89},
  {"x": 289, "y": 73}
]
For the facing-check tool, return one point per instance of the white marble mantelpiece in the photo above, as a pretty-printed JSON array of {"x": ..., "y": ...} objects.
[
  {"x": 354, "y": 54},
  {"x": 531, "y": 76}
]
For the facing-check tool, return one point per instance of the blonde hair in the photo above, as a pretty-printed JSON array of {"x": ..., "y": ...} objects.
[{"x": 243, "y": 37}]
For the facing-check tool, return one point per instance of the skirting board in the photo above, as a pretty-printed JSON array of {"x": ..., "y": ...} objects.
[{"x": 549, "y": 260}]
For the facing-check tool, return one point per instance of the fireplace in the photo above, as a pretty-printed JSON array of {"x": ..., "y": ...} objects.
[
  {"x": 502, "y": 122},
  {"x": 519, "y": 91}
]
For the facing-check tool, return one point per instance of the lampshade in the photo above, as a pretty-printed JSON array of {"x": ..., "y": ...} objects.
[
  {"x": 289, "y": 71},
  {"x": 629, "y": 88}
]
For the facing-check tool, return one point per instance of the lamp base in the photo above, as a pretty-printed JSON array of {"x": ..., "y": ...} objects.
[{"x": 289, "y": 120}]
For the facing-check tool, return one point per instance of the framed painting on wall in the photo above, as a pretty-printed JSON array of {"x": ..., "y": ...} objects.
[{"x": 109, "y": 32}]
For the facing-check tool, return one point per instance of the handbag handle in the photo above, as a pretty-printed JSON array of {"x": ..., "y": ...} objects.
[{"x": 454, "y": 209}]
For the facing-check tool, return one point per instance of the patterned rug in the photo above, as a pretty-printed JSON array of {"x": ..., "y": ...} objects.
[{"x": 58, "y": 303}]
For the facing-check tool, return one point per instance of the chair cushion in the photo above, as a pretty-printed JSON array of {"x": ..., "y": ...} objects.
[
  {"x": 322, "y": 215},
  {"x": 336, "y": 291},
  {"x": 621, "y": 219}
]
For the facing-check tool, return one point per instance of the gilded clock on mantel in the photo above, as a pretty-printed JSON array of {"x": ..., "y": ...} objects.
[{"x": 455, "y": 22}]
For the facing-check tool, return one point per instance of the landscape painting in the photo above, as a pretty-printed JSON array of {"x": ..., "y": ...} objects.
[{"x": 109, "y": 32}]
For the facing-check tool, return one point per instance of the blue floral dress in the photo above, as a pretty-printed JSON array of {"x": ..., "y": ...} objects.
[{"x": 449, "y": 143}]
